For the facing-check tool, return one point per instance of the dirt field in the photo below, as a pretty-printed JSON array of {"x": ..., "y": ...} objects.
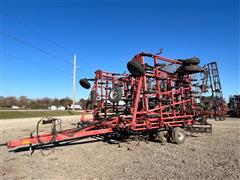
[{"x": 212, "y": 156}]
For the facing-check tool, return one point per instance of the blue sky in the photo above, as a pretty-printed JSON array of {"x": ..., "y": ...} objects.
[{"x": 106, "y": 35}]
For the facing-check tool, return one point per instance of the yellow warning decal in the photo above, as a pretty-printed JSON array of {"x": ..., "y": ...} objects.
[{"x": 26, "y": 142}]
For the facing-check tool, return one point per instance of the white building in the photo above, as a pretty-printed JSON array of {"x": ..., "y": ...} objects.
[
  {"x": 52, "y": 107},
  {"x": 61, "y": 108},
  {"x": 76, "y": 106},
  {"x": 15, "y": 107}
]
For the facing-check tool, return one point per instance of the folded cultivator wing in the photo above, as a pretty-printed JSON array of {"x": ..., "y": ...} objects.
[{"x": 155, "y": 99}]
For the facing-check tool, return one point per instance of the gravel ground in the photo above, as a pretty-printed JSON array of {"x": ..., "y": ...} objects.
[{"x": 204, "y": 156}]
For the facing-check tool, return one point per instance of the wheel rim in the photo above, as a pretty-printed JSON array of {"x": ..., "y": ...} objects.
[
  {"x": 180, "y": 136},
  {"x": 113, "y": 95}
]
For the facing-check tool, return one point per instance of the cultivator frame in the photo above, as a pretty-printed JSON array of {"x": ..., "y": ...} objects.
[
  {"x": 136, "y": 94},
  {"x": 150, "y": 100}
]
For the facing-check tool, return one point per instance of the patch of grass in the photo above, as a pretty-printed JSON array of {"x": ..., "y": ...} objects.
[{"x": 10, "y": 114}]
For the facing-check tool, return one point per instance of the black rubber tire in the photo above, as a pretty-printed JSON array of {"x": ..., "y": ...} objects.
[
  {"x": 115, "y": 95},
  {"x": 193, "y": 61},
  {"x": 178, "y": 135},
  {"x": 162, "y": 137},
  {"x": 84, "y": 83},
  {"x": 189, "y": 69},
  {"x": 193, "y": 68},
  {"x": 135, "y": 68}
]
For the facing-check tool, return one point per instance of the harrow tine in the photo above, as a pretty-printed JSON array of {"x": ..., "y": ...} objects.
[{"x": 200, "y": 128}]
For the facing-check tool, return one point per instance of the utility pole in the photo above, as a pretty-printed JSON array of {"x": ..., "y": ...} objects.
[{"x": 74, "y": 80}]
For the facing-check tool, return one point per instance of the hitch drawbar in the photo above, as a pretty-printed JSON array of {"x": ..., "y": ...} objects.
[
  {"x": 59, "y": 136},
  {"x": 66, "y": 135},
  {"x": 3, "y": 144}
]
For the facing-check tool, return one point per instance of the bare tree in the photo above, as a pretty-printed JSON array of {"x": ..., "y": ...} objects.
[
  {"x": 41, "y": 103},
  {"x": 65, "y": 101},
  {"x": 56, "y": 102},
  {"x": 23, "y": 101},
  {"x": 83, "y": 103},
  {"x": 11, "y": 101},
  {"x": 2, "y": 102}
]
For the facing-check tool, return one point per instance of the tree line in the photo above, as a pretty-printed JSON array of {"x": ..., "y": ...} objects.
[
  {"x": 40, "y": 103},
  {"x": 234, "y": 106}
]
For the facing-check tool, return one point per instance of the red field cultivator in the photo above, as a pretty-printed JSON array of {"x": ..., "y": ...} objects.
[{"x": 154, "y": 100}]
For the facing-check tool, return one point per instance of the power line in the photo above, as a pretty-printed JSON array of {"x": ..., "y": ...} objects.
[
  {"x": 42, "y": 36},
  {"x": 32, "y": 62},
  {"x": 34, "y": 47},
  {"x": 39, "y": 34}
]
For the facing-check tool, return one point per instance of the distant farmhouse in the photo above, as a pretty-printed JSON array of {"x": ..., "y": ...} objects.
[
  {"x": 76, "y": 106},
  {"x": 56, "y": 107}
]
